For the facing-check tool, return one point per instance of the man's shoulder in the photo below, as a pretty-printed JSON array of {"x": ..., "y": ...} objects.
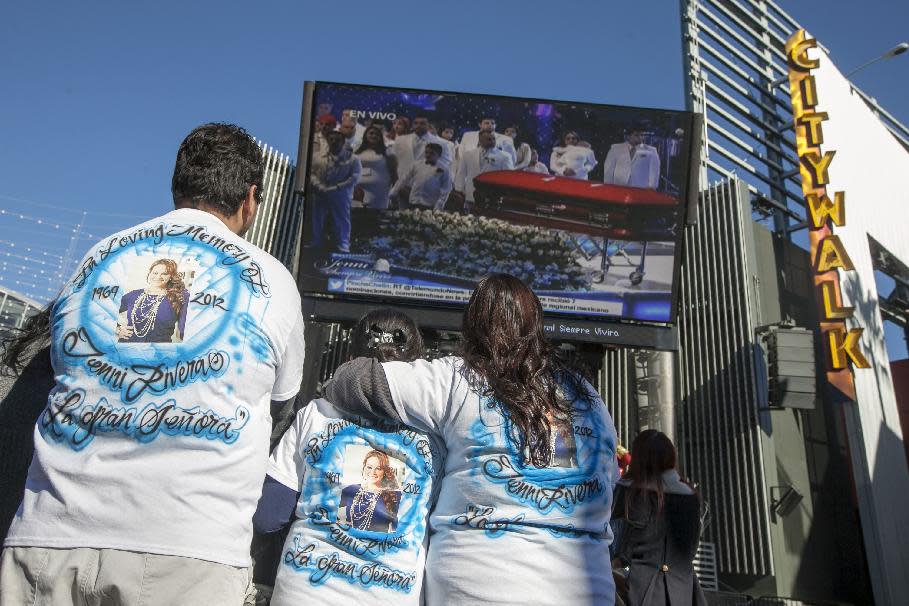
[{"x": 283, "y": 283}]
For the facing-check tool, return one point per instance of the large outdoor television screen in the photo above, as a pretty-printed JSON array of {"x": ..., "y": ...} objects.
[{"x": 413, "y": 196}]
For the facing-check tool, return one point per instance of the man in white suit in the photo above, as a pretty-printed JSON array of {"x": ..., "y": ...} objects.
[
  {"x": 482, "y": 159},
  {"x": 471, "y": 138},
  {"x": 428, "y": 182},
  {"x": 411, "y": 147},
  {"x": 632, "y": 163},
  {"x": 352, "y": 130}
]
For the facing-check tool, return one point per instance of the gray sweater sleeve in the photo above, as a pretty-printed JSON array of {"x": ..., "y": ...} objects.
[{"x": 359, "y": 387}]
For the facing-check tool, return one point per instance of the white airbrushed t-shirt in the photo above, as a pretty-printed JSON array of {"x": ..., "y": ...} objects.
[
  {"x": 503, "y": 532},
  {"x": 168, "y": 344},
  {"x": 349, "y": 544}
]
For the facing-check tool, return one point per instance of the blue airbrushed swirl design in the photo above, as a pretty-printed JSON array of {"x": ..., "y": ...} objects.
[
  {"x": 99, "y": 317},
  {"x": 544, "y": 488},
  {"x": 133, "y": 373},
  {"x": 321, "y": 494},
  {"x": 373, "y": 552}
]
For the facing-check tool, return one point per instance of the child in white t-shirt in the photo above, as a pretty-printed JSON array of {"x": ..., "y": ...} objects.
[{"x": 359, "y": 491}]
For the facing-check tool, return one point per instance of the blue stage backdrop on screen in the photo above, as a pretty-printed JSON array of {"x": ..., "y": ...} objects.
[{"x": 415, "y": 195}]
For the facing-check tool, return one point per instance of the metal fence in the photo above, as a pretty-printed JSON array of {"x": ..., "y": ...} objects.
[
  {"x": 780, "y": 601},
  {"x": 15, "y": 309},
  {"x": 724, "y": 598}
]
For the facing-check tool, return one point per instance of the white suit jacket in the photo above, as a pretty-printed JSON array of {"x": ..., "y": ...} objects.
[
  {"x": 472, "y": 163},
  {"x": 402, "y": 149},
  {"x": 642, "y": 170},
  {"x": 471, "y": 140}
]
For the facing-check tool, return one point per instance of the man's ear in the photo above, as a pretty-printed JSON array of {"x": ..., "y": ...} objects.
[{"x": 249, "y": 208}]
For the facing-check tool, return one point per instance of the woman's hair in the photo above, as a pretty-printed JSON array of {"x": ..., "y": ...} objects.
[
  {"x": 379, "y": 147},
  {"x": 571, "y": 132},
  {"x": 652, "y": 453},
  {"x": 35, "y": 333},
  {"x": 518, "y": 139},
  {"x": 389, "y": 481},
  {"x": 388, "y": 336},
  {"x": 504, "y": 345},
  {"x": 174, "y": 289}
]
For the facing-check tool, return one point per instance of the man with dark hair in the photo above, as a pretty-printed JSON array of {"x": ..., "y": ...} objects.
[
  {"x": 633, "y": 163},
  {"x": 149, "y": 456},
  {"x": 332, "y": 180},
  {"x": 429, "y": 181},
  {"x": 482, "y": 159},
  {"x": 410, "y": 149},
  {"x": 470, "y": 140}
]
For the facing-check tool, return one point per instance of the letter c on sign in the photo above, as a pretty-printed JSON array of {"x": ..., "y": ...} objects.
[{"x": 798, "y": 55}]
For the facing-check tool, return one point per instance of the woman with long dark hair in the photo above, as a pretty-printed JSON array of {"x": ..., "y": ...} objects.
[
  {"x": 524, "y": 504},
  {"x": 379, "y": 169},
  {"x": 358, "y": 492},
  {"x": 661, "y": 514}
]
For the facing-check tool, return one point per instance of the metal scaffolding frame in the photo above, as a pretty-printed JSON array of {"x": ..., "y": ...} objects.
[
  {"x": 718, "y": 413},
  {"x": 734, "y": 61},
  {"x": 277, "y": 226}
]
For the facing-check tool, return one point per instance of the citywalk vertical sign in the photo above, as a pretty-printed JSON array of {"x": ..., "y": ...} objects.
[{"x": 842, "y": 344}]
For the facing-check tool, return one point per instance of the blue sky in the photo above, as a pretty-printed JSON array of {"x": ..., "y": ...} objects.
[{"x": 97, "y": 96}]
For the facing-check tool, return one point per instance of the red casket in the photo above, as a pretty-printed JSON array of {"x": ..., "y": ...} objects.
[{"x": 575, "y": 205}]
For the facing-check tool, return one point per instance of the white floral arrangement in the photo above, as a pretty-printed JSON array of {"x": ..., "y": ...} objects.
[{"x": 469, "y": 246}]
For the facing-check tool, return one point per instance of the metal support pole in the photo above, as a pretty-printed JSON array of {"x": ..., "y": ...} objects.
[{"x": 654, "y": 374}]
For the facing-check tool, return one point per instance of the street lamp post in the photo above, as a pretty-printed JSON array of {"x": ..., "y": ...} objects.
[{"x": 899, "y": 49}]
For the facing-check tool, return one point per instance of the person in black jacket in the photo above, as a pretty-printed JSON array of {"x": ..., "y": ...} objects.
[{"x": 661, "y": 529}]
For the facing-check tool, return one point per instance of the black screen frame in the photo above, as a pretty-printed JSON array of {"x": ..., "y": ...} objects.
[{"x": 317, "y": 300}]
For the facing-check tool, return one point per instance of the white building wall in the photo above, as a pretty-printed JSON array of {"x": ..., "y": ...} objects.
[{"x": 872, "y": 168}]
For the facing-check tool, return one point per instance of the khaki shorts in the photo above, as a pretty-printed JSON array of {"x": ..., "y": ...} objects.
[{"x": 110, "y": 577}]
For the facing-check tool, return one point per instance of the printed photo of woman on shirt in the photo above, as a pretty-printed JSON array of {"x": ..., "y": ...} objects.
[
  {"x": 373, "y": 504},
  {"x": 155, "y": 313},
  {"x": 563, "y": 451}
]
